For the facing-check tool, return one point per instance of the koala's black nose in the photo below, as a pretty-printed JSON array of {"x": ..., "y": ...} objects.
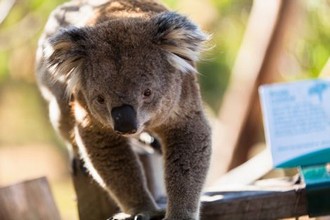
[{"x": 124, "y": 118}]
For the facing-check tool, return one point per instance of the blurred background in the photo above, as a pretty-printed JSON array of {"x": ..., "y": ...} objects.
[{"x": 299, "y": 49}]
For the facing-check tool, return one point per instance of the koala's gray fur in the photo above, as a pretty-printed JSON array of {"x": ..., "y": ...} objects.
[{"x": 137, "y": 57}]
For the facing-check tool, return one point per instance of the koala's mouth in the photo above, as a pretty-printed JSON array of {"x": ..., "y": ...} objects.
[
  {"x": 127, "y": 133},
  {"x": 132, "y": 134}
]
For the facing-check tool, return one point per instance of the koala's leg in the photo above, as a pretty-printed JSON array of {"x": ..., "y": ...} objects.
[
  {"x": 93, "y": 202},
  {"x": 187, "y": 153},
  {"x": 113, "y": 164}
]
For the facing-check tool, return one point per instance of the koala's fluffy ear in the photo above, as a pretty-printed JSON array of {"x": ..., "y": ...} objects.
[
  {"x": 65, "y": 54},
  {"x": 181, "y": 38}
]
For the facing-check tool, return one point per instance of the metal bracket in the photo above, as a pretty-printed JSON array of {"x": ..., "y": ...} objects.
[{"x": 317, "y": 180}]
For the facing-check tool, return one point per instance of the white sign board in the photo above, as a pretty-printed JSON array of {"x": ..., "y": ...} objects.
[{"x": 297, "y": 122}]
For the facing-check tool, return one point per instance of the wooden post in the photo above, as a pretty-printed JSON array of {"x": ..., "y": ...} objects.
[
  {"x": 29, "y": 200},
  {"x": 325, "y": 73},
  {"x": 268, "y": 73},
  {"x": 239, "y": 113},
  {"x": 152, "y": 165}
]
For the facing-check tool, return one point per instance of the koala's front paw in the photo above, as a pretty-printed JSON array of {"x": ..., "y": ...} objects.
[
  {"x": 154, "y": 215},
  {"x": 121, "y": 216}
]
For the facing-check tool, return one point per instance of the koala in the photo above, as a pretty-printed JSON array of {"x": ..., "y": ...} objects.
[{"x": 112, "y": 69}]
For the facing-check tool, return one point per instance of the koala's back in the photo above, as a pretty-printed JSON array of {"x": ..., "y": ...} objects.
[{"x": 91, "y": 12}]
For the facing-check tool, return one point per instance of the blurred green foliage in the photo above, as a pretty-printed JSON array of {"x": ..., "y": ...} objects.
[
  {"x": 20, "y": 30},
  {"x": 227, "y": 32},
  {"x": 312, "y": 48}
]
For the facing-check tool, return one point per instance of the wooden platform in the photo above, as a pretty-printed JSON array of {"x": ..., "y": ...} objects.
[
  {"x": 31, "y": 200},
  {"x": 255, "y": 203}
]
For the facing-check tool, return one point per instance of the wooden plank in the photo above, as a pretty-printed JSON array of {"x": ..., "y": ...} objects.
[
  {"x": 29, "y": 200},
  {"x": 255, "y": 203},
  {"x": 266, "y": 200},
  {"x": 268, "y": 72},
  {"x": 261, "y": 164},
  {"x": 325, "y": 73},
  {"x": 5, "y": 8},
  {"x": 256, "y": 63},
  {"x": 234, "y": 111}
]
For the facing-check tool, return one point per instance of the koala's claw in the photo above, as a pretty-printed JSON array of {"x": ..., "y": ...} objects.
[
  {"x": 135, "y": 217},
  {"x": 148, "y": 217},
  {"x": 121, "y": 216},
  {"x": 141, "y": 216}
]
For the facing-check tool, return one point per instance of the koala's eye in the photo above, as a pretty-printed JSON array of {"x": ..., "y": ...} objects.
[
  {"x": 147, "y": 93},
  {"x": 100, "y": 99}
]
